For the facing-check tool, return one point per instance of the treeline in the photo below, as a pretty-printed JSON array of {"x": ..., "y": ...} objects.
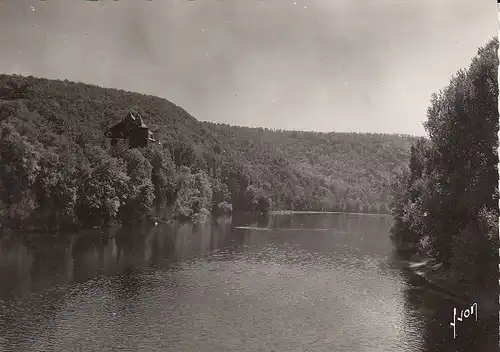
[
  {"x": 58, "y": 170},
  {"x": 446, "y": 201},
  {"x": 345, "y": 172}
]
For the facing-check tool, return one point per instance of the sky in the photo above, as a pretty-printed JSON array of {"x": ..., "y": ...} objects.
[{"x": 321, "y": 65}]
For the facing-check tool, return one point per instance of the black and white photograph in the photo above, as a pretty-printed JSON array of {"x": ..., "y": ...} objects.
[{"x": 249, "y": 176}]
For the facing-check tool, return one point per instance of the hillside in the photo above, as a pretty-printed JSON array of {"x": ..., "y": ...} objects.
[
  {"x": 53, "y": 144},
  {"x": 352, "y": 166}
]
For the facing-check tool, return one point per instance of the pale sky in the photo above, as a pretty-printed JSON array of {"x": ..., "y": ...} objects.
[{"x": 323, "y": 65}]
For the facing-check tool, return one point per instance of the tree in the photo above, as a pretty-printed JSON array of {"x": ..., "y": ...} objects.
[
  {"x": 462, "y": 124},
  {"x": 19, "y": 167},
  {"x": 220, "y": 192},
  {"x": 235, "y": 176},
  {"x": 139, "y": 196},
  {"x": 183, "y": 154},
  {"x": 447, "y": 201},
  {"x": 358, "y": 207},
  {"x": 162, "y": 176},
  {"x": 103, "y": 188},
  {"x": 194, "y": 200},
  {"x": 56, "y": 191}
]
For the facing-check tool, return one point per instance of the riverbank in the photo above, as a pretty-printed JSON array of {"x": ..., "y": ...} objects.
[
  {"x": 438, "y": 280},
  {"x": 435, "y": 277}
]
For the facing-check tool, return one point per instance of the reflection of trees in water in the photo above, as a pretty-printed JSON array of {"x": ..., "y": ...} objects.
[
  {"x": 283, "y": 221},
  {"x": 333, "y": 221},
  {"x": 384, "y": 222},
  {"x": 196, "y": 240},
  {"x": 49, "y": 260},
  {"x": 30, "y": 263},
  {"x": 263, "y": 220},
  {"x": 240, "y": 218},
  {"x": 131, "y": 244},
  {"x": 34, "y": 263},
  {"x": 122, "y": 253},
  {"x": 45, "y": 261},
  {"x": 15, "y": 267},
  {"x": 110, "y": 251},
  {"x": 134, "y": 253},
  {"x": 162, "y": 246},
  {"x": 30, "y": 266},
  {"x": 91, "y": 253}
]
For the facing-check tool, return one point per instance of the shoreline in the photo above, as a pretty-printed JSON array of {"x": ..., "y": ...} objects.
[
  {"x": 436, "y": 278},
  {"x": 171, "y": 221},
  {"x": 286, "y": 212}
]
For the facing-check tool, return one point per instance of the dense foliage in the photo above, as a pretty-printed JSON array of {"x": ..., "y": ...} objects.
[
  {"x": 318, "y": 171},
  {"x": 57, "y": 169},
  {"x": 446, "y": 201}
]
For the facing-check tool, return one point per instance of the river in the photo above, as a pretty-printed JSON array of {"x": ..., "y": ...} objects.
[{"x": 289, "y": 282}]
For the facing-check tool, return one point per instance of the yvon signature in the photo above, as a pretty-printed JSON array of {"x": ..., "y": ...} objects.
[{"x": 472, "y": 310}]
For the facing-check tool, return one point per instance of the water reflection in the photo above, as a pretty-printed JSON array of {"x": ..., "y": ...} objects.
[
  {"x": 321, "y": 281},
  {"x": 31, "y": 264}
]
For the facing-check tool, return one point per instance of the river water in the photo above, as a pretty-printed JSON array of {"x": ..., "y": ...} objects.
[{"x": 296, "y": 282}]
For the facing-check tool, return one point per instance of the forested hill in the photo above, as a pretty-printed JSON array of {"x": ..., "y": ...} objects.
[
  {"x": 355, "y": 167},
  {"x": 57, "y": 127}
]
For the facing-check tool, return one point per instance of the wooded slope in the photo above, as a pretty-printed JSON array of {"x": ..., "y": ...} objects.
[{"x": 57, "y": 127}]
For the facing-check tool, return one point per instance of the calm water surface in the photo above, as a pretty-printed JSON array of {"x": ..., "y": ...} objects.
[{"x": 301, "y": 282}]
